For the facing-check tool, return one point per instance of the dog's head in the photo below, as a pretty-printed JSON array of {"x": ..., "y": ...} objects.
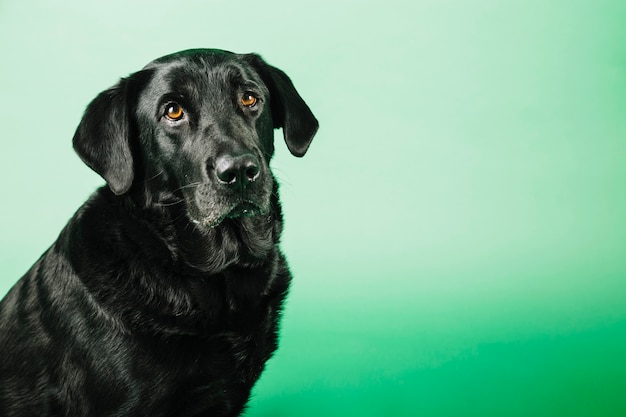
[{"x": 196, "y": 128}]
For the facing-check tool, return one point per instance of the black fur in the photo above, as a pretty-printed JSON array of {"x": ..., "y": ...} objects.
[{"x": 162, "y": 295}]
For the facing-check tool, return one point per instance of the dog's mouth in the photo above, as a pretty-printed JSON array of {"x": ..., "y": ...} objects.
[
  {"x": 244, "y": 209},
  {"x": 208, "y": 208},
  {"x": 239, "y": 210}
]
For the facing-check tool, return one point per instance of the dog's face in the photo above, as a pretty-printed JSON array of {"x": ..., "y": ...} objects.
[
  {"x": 196, "y": 127},
  {"x": 207, "y": 129}
]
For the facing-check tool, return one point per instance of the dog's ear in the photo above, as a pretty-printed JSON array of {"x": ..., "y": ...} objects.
[
  {"x": 103, "y": 137},
  {"x": 289, "y": 110}
]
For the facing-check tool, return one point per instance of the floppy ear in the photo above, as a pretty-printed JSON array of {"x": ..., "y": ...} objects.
[
  {"x": 289, "y": 110},
  {"x": 102, "y": 139}
]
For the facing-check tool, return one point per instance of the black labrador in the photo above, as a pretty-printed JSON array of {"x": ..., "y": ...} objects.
[{"x": 162, "y": 295}]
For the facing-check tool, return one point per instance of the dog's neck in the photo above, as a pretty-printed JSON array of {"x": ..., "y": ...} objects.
[
  {"x": 243, "y": 242},
  {"x": 238, "y": 262}
]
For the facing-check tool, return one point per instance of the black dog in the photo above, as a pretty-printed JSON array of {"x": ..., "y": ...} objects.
[{"x": 162, "y": 295}]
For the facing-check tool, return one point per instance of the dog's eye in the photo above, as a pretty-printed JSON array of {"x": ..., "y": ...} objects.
[
  {"x": 248, "y": 99},
  {"x": 174, "y": 111}
]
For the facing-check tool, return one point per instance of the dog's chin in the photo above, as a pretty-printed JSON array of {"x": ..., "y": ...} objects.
[
  {"x": 245, "y": 209},
  {"x": 215, "y": 218}
]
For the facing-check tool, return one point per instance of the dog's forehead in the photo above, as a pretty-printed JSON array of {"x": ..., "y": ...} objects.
[
  {"x": 198, "y": 55},
  {"x": 201, "y": 69}
]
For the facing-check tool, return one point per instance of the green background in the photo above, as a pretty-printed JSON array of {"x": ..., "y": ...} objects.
[{"x": 457, "y": 230}]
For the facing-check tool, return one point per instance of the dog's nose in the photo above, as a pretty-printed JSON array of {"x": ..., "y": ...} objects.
[{"x": 237, "y": 171}]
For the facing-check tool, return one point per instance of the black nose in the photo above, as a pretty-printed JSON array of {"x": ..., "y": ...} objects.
[{"x": 237, "y": 171}]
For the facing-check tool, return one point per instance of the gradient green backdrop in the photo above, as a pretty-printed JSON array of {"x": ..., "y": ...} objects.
[{"x": 457, "y": 231}]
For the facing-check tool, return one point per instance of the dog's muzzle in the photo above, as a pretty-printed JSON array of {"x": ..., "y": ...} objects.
[{"x": 238, "y": 187}]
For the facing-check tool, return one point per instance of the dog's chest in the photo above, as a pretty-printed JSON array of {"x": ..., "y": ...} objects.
[{"x": 205, "y": 372}]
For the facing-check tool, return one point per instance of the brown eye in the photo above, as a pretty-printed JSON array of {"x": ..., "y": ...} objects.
[
  {"x": 248, "y": 99},
  {"x": 174, "y": 111}
]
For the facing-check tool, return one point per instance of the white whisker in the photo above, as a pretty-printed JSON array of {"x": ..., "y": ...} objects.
[
  {"x": 155, "y": 176},
  {"x": 169, "y": 203},
  {"x": 190, "y": 185}
]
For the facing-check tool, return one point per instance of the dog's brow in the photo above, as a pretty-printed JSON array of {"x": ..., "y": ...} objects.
[
  {"x": 241, "y": 76},
  {"x": 179, "y": 96}
]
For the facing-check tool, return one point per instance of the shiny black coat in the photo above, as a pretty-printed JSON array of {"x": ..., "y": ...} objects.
[{"x": 162, "y": 295}]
